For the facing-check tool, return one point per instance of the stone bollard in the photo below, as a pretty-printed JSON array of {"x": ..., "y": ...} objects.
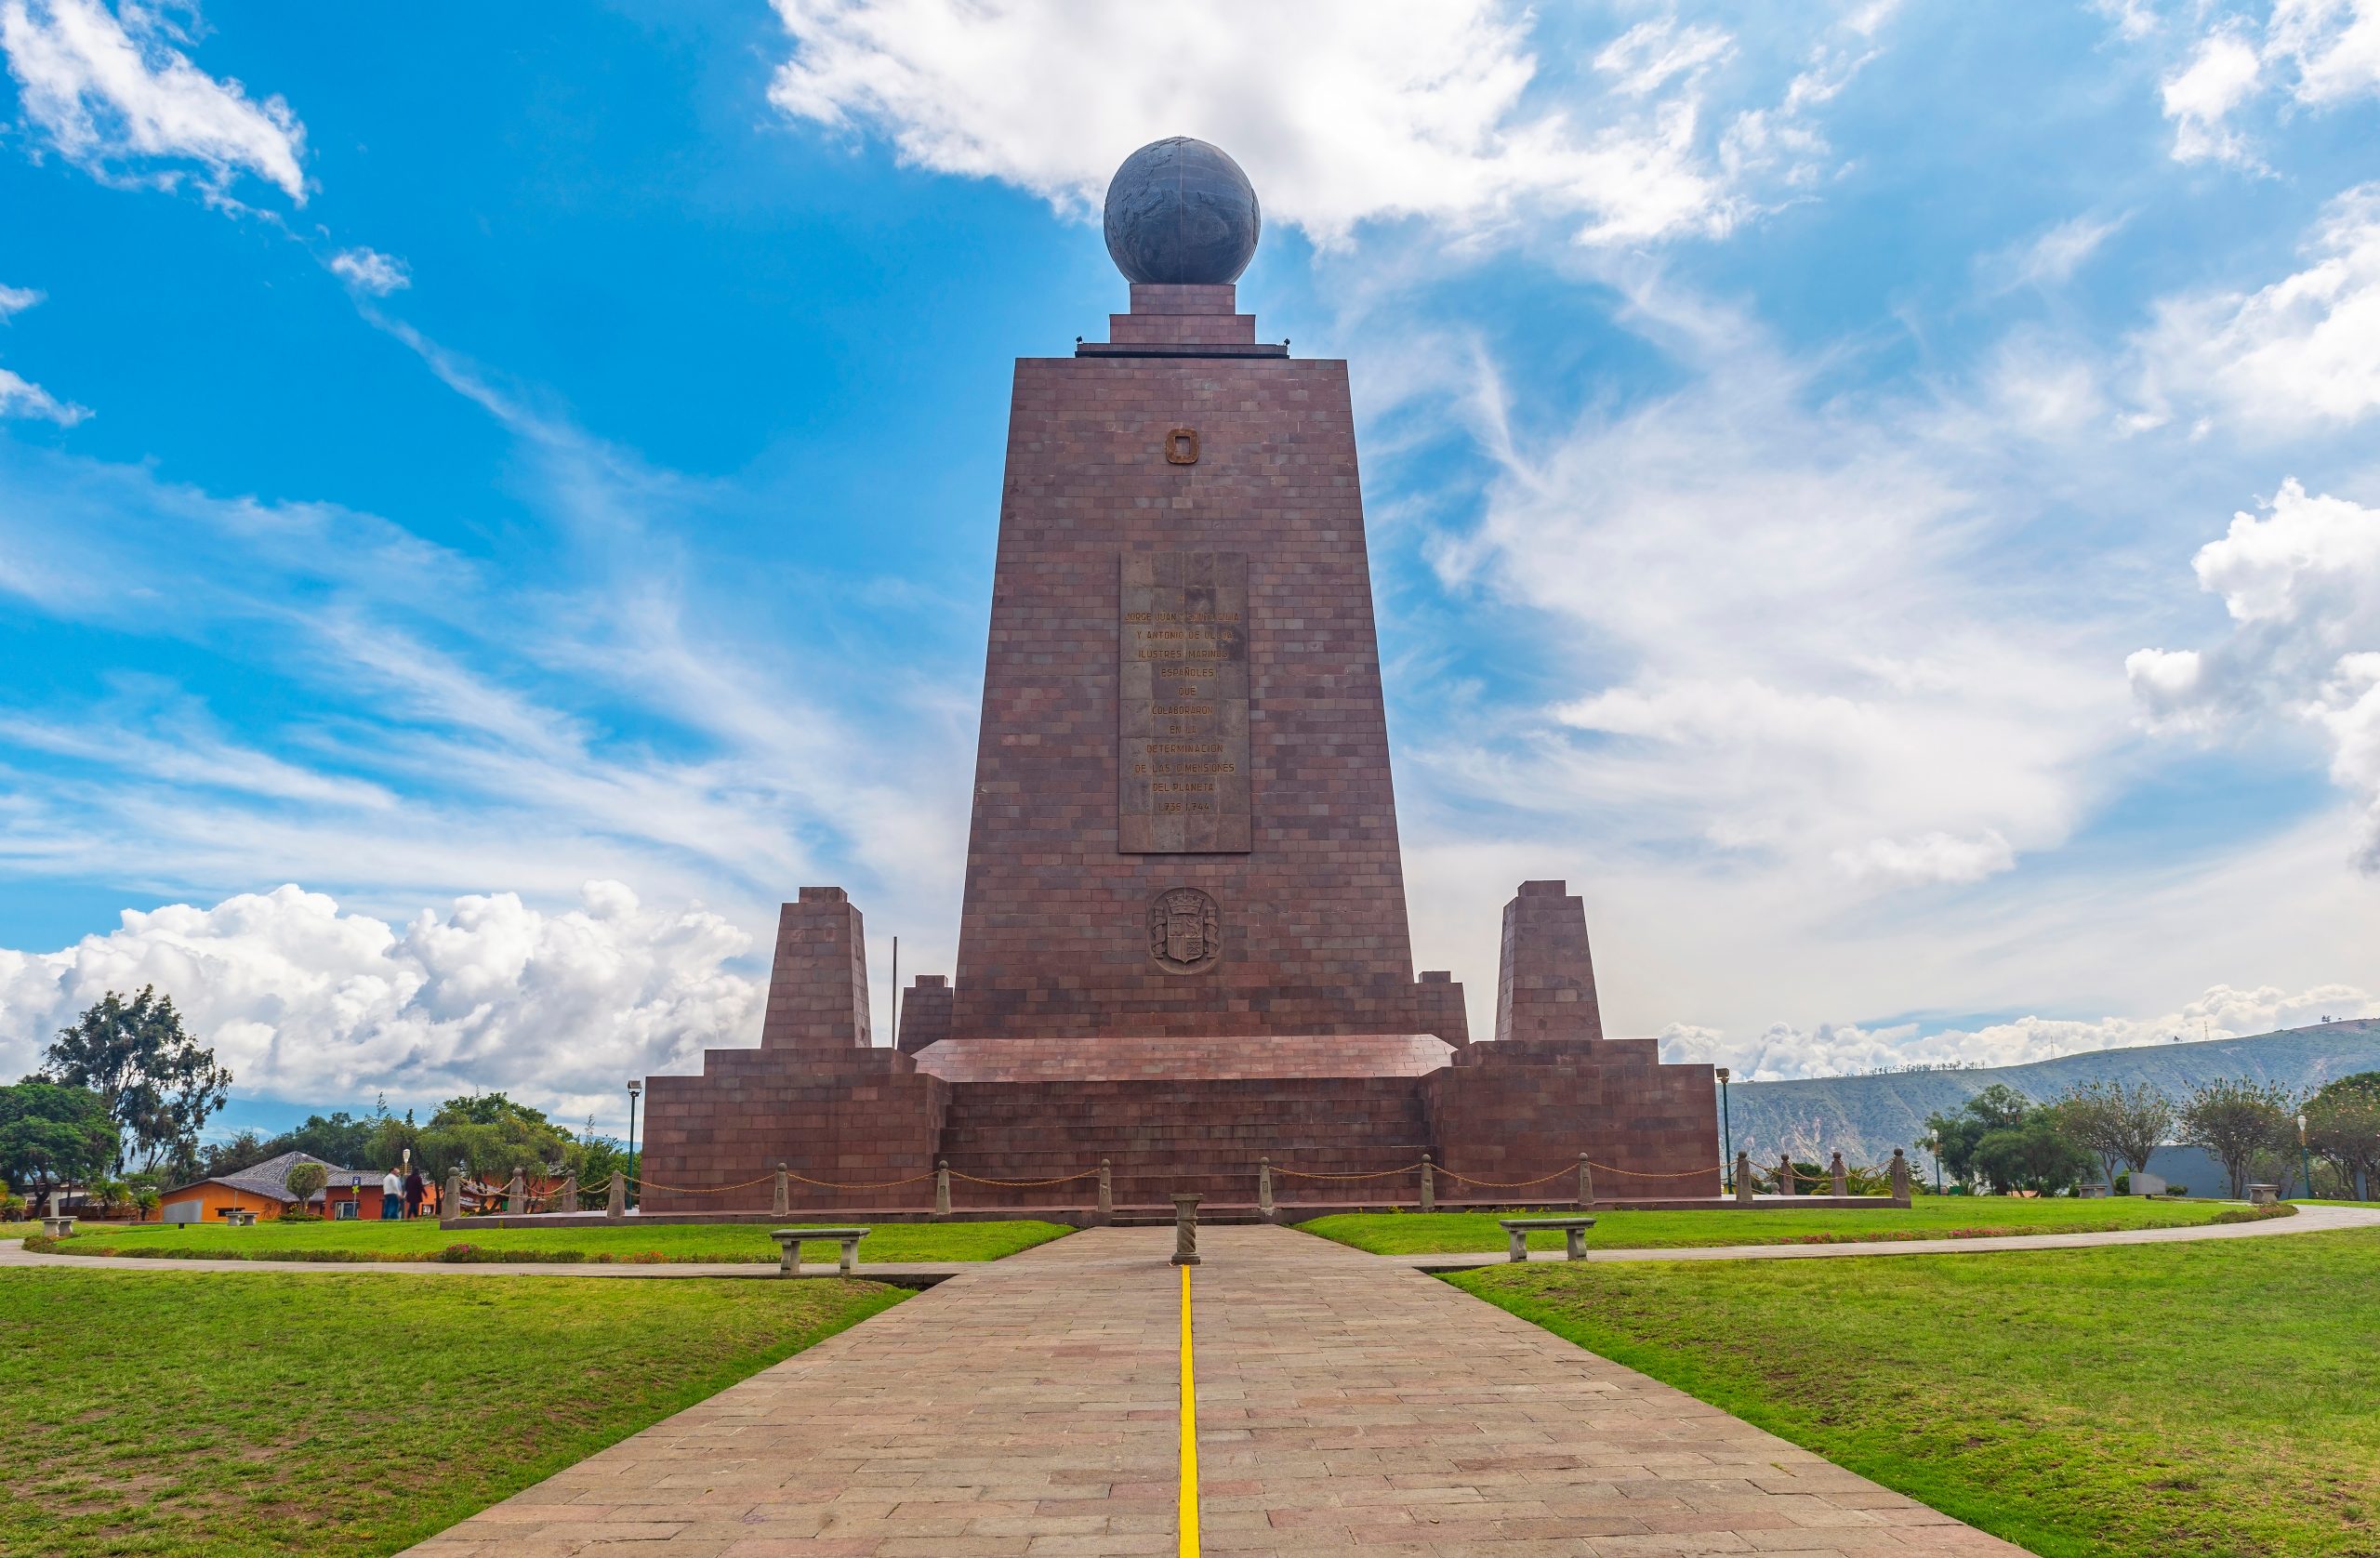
[
  {"x": 516, "y": 1194},
  {"x": 1429, "y": 1186},
  {"x": 1265, "y": 1188},
  {"x": 1186, "y": 1230},
  {"x": 784, "y": 1202},
  {"x": 1743, "y": 1176},
  {"x": 941, "y": 1189},
  {"x": 1840, "y": 1175},
  {"x": 617, "y": 1206},
  {"x": 1785, "y": 1175},
  {"x": 569, "y": 1202},
  {"x": 1586, "y": 1183},
  {"x": 1106, "y": 1193},
  {"x": 451, "y": 1206},
  {"x": 1901, "y": 1179}
]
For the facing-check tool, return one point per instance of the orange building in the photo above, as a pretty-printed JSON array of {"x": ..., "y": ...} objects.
[{"x": 264, "y": 1190}]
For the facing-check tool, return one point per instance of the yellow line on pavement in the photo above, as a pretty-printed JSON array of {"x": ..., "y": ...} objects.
[{"x": 1189, "y": 1520}]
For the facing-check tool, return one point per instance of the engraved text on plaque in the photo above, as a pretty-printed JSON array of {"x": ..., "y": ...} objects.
[{"x": 1181, "y": 747}]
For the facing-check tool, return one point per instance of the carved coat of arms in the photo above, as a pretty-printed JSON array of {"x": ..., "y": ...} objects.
[{"x": 1185, "y": 930}]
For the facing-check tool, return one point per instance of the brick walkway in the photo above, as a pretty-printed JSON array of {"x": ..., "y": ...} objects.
[{"x": 1346, "y": 1404}]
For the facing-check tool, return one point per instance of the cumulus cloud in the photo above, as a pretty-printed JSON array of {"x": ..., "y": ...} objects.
[
  {"x": 2298, "y": 355},
  {"x": 2301, "y": 584},
  {"x": 1842, "y": 1049},
  {"x": 2314, "y": 53},
  {"x": 306, "y": 1002},
  {"x": 1343, "y": 112},
  {"x": 15, "y": 300},
  {"x": 369, "y": 270},
  {"x": 114, "y": 93}
]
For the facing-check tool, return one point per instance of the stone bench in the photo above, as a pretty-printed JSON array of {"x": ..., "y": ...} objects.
[
  {"x": 2264, "y": 1194},
  {"x": 789, "y": 1242},
  {"x": 58, "y": 1227},
  {"x": 1574, "y": 1231},
  {"x": 240, "y": 1218}
]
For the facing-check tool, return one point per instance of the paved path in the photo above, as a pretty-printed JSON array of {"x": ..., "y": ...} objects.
[
  {"x": 1346, "y": 1404},
  {"x": 2308, "y": 1219}
]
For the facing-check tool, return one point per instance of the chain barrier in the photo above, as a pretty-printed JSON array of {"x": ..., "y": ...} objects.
[
  {"x": 1507, "y": 1184},
  {"x": 1300, "y": 1173},
  {"x": 1067, "y": 1178}
]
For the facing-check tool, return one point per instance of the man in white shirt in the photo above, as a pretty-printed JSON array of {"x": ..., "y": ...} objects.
[{"x": 392, "y": 1197}]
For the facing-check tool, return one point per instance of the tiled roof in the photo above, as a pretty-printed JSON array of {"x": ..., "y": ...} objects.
[{"x": 270, "y": 1177}]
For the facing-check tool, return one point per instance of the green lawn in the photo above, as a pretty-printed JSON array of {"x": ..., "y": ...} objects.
[
  {"x": 1932, "y": 1218},
  {"x": 2210, "y": 1400},
  {"x": 424, "y": 1240},
  {"x": 278, "y": 1412}
]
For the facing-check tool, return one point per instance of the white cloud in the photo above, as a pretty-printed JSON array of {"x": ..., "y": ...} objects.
[
  {"x": 114, "y": 94},
  {"x": 1928, "y": 857},
  {"x": 1343, "y": 112},
  {"x": 370, "y": 271},
  {"x": 2292, "y": 357},
  {"x": 15, "y": 300},
  {"x": 309, "y": 1003},
  {"x": 2052, "y": 258},
  {"x": 2201, "y": 96},
  {"x": 2332, "y": 48},
  {"x": 19, "y": 397},
  {"x": 1840, "y": 1049},
  {"x": 2301, "y": 588}
]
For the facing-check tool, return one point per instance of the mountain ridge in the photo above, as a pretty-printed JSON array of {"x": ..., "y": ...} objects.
[{"x": 1866, "y": 1118}]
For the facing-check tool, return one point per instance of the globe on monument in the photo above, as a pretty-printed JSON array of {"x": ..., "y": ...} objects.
[{"x": 1180, "y": 211}]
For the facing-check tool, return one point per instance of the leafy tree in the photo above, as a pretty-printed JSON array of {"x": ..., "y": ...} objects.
[
  {"x": 303, "y": 1180},
  {"x": 2036, "y": 1154},
  {"x": 2119, "y": 1124},
  {"x": 494, "y": 1134},
  {"x": 2238, "y": 1120},
  {"x": 1997, "y": 1107},
  {"x": 599, "y": 1155},
  {"x": 2343, "y": 1126},
  {"x": 52, "y": 1135},
  {"x": 158, "y": 1085},
  {"x": 338, "y": 1137},
  {"x": 243, "y": 1149}
]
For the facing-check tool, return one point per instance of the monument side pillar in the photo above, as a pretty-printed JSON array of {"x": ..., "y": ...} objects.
[
  {"x": 1545, "y": 981},
  {"x": 818, "y": 983}
]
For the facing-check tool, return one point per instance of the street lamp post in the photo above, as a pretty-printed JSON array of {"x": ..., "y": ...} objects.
[
  {"x": 1730, "y": 1167},
  {"x": 2304, "y": 1160},
  {"x": 636, "y": 1088}
]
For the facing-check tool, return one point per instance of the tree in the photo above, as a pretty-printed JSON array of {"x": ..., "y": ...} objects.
[
  {"x": 241, "y": 1148},
  {"x": 2343, "y": 1126},
  {"x": 303, "y": 1180},
  {"x": 1997, "y": 1107},
  {"x": 158, "y": 1085},
  {"x": 494, "y": 1135},
  {"x": 2119, "y": 1124},
  {"x": 339, "y": 1138},
  {"x": 2035, "y": 1154},
  {"x": 2236, "y": 1120},
  {"x": 52, "y": 1135}
]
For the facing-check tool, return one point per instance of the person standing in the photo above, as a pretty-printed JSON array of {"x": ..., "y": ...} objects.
[
  {"x": 393, "y": 1193},
  {"x": 415, "y": 1188}
]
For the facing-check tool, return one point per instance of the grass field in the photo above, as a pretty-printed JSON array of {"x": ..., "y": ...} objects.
[
  {"x": 424, "y": 1241},
  {"x": 2210, "y": 1400},
  {"x": 1931, "y": 1218},
  {"x": 274, "y": 1413}
]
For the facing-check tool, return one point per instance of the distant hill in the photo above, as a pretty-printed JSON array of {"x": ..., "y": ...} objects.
[{"x": 1868, "y": 1117}]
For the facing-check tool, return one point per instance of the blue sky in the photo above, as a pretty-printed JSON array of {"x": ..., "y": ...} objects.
[{"x": 1875, "y": 495}]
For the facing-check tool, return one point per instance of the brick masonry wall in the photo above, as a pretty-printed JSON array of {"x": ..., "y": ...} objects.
[
  {"x": 1053, "y": 932},
  {"x": 818, "y": 981}
]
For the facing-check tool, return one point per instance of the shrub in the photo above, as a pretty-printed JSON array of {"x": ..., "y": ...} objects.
[
  {"x": 12, "y": 1207},
  {"x": 2255, "y": 1214},
  {"x": 300, "y": 1216},
  {"x": 40, "y": 1244}
]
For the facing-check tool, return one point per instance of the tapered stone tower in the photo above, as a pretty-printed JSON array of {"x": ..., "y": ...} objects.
[{"x": 1183, "y": 942}]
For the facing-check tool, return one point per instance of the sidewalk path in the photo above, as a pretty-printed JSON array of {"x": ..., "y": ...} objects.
[
  {"x": 1346, "y": 1405},
  {"x": 2308, "y": 1219}
]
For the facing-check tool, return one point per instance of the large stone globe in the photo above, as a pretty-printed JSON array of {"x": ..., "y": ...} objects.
[{"x": 1180, "y": 211}]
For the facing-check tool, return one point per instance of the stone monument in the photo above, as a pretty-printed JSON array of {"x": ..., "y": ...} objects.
[{"x": 1183, "y": 941}]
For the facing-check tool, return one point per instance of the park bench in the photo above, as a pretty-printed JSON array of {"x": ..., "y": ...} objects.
[
  {"x": 1574, "y": 1231},
  {"x": 240, "y": 1216},
  {"x": 2264, "y": 1194},
  {"x": 789, "y": 1242},
  {"x": 58, "y": 1227}
]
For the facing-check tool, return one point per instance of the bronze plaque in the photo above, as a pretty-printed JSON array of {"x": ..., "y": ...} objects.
[{"x": 1182, "y": 727}]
